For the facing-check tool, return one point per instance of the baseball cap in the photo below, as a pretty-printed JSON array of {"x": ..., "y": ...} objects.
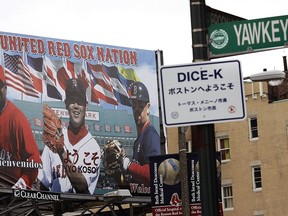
[
  {"x": 139, "y": 92},
  {"x": 1, "y": 84},
  {"x": 75, "y": 90}
]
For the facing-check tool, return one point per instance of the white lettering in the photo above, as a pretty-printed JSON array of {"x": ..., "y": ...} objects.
[
  {"x": 245, "y": 35},
  {"x": 238, "y": 32},
  {"x": 284, "y": 27},
  {"x": 261, "y": 32},
  {"x": 265, "y": 31},
  {"x": 255, "y": 33},
  {"x": 275, "y": 30}
]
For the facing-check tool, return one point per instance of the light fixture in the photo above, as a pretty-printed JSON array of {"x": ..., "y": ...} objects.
[
  {"x": 275, "y": 82},
  {"x": 273, "y": 77}
]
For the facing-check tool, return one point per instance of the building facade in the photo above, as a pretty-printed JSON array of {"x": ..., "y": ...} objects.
[{"x": 254, "y": 157}]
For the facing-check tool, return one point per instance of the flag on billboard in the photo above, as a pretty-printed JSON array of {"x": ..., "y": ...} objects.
[
  {"x": 50, "y": 71},
  {"x": 84, "y": 78},
  {"x": 50, "y": 78},
  {"x": 120, "y": 85},
  {"x": 94, "y": 92},
  {"x": 76, "y": 70},
  {"x": 62, "y": 77},
  {"x": 37, "y": 82},
  {"x": 57, "y": 71},
  {"x": 53, "y": 92},
  {"x": 2, "y": 77},
  {"x": 72, "y": 68},
  {"x": 88, "y": 84},
  {"x": 17, "y": 75},
  {"x": 35, "y": 63},
  {"x": 67, "y": 70},
  {"x": 35, "y": 66},
  {"x": 101, "y": 82},
  {"x": 130, "y": 74}
]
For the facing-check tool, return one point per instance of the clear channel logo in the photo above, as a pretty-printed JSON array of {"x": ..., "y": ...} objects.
[{"x": 219, "y": 38}]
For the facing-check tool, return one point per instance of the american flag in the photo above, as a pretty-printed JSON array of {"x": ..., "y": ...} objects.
[{"x": 18, "y": 76}]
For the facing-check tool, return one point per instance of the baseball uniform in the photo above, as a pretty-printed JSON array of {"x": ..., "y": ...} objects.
[
  {"x": 85, "y": 157},
  {"x": 19, "y": 154}
]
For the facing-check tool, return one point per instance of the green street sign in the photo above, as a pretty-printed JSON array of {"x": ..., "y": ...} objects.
[{"x": 233, "y": 38}]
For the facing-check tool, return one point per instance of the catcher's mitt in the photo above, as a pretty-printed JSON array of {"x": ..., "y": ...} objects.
[
  {"x": 113, "y": 155},
  {"x": 52, "y": 130}
]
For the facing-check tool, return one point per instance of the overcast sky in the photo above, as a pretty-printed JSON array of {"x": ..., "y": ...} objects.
[{"x": 143, "y": 24}]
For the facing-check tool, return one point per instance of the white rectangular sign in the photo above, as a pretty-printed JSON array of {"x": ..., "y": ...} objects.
[{"x": 202, "y": 93}]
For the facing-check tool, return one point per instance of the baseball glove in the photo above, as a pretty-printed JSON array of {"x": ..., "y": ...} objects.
[
  {"x": 52, "y": 130},
  {"x": 113, "y": 155}
]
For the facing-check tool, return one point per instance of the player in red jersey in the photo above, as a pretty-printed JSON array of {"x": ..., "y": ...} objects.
[{"x": 19, "y": 154}]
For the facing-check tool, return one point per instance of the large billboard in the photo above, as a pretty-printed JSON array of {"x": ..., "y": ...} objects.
[{"x": 62, "y": 102}]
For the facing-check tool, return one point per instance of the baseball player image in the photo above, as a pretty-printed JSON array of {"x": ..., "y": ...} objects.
[
  {"x": 17, "y": 144},
  {"x": 71, "y": 156},
  {"x": 147, "y": 143}
]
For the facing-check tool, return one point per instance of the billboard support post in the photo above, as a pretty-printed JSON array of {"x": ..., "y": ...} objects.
[
  {"x": 204, "y": 135},
  {"x": 183, "y": 171}
]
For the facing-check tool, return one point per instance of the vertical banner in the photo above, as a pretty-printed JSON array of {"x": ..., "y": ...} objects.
[
  {"x": 76, "y": 117},
  {"x": 166, "y": 185}
]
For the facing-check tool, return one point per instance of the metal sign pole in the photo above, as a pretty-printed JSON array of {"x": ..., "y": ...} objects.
[
  {"x": 183, "y": 171},
  {"x": 203, "y": 135}
]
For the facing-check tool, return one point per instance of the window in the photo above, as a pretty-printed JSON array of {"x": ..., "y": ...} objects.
[
  {"x": 227, "y": 197},
  {"x": 256, "y": 175},
  {"x": 253, "y": 128},
  {"x": 224, "y": 148}
]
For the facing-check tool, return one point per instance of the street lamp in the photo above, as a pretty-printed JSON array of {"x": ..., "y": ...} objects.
[{"x": 273, "y": 77}]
